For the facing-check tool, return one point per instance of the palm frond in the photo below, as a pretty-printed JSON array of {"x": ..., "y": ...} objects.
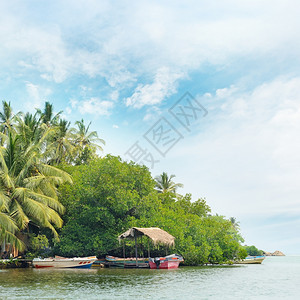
[
  {"x": 18, "y": 214},
  {"x": 48, "y": 170},
  {"x": 48, "y": 201},
  {"x": 7, "y": 180},
  {"x": 9, "y": 237},
  {"x": 4, "y": 201},
  {"x": 7, "y": 223},
  {"x": 54, "y": 217}
]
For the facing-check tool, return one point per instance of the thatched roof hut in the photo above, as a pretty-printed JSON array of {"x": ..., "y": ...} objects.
[{"x": 157, "y": 235}]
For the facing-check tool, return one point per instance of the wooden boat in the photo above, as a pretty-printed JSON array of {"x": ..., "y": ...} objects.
[
  {"x": 167, "y": 262},
  {"x": 252, "y": 260},
  {"x": 63, "y": 262},
  {"x": 99, "y": 263},
  {"x": 117, "y": 262}
]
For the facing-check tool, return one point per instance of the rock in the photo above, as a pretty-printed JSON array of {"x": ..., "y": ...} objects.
[
  {"x": 278, "y": 253},
  {"x": 267, "y": 253}
]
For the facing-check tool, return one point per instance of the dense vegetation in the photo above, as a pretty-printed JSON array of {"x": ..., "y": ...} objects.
[
  {"x": 31, "y": 146},
  {"x": 109, "y": 196},
  {"x": 53, "y": 183},
  {"x": 253, "y": 251}
]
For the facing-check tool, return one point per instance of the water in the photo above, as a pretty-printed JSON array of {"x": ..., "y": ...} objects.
[{"x": 276, "y": 278}]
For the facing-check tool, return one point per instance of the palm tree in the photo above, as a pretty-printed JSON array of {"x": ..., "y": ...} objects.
[
  {"x": 63, "y": 145},
  {"x": 28, "y": 184},
  {"x": 164, "y": 184},
  {"x": 86, "y": 141},
  {"x": 29, "y": 128},
  {"x": 235, "y": 223},
  {"x": 6, "y": 117},
  {"x": 8, "y": 228},
  {"x": 47, "y": 116}
]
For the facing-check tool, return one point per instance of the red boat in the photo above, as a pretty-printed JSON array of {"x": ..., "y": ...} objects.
[{"x": 167, "y": 262}]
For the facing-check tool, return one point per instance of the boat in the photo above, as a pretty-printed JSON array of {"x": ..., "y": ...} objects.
[
  {"x": 252, "y": 260},
  {"x": 99, "y": 263},
  {"x": 167, "y": 262},
  {"x": 127, "y": 263},
  {"x": 64, "y": 262}
]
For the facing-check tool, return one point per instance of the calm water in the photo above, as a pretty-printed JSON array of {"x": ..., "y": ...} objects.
[{"x": 276, "y": 278}]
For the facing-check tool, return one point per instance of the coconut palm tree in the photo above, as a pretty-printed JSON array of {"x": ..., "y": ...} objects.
[
  {"x": 63, "y": 145},
  {"x": 47, "y": 116},
  {"x": 86, "y": 137},
  {"x": 7, "y": 119},
  {"x": 235, "y": 223},
  {"x": 6, "y": 116},
  {"x": 29, "y": 185},
  {"x": 8, "y": 228},
  {"x": 29, "y": 128},
  {"x": 164, "y": 184},
  {"x": 86, "y": 141}
]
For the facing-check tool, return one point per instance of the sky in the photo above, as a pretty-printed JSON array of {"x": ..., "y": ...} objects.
[{"x": 206, "y": 90}]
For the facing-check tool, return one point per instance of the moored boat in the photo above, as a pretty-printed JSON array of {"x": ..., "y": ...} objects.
[
  {"x": 167, "y": 262},
  {"x": 64, "y": 262},
  {"x": 252, "y": 260},
  {"x": 127, "y": 263}
]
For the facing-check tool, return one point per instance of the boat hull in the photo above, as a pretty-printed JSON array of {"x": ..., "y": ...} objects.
[
  {"x": 59, "y": 263},
  {"x": 252, "y": 260},
  {"x": 167, "y": 262},
  {"x": 164, "y": 265},
  {"x": 126, "y": 263}
]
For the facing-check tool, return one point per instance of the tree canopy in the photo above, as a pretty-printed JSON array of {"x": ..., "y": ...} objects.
[{"x": 109, "y": 196}]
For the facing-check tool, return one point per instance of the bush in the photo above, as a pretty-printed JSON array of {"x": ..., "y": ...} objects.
[{"x": 253, "y": 251}]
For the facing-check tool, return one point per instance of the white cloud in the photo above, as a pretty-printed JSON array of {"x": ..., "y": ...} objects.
[
  {"x": 141, "y": 37},
  {"x": 94, "y": 106},
  {"x": 152, "y": 113},
  {"x": 164, "y": 85},
  {"x": 225, "y": 92},
  {"x": 114, "y": 95},
  {"x": 74, "y": 103},
  {"x": 115, "y": 126},
  {"x": 68, "y": 110},
  {"x": 247, "y": 156},
  {"x": 37, "y": 95}
]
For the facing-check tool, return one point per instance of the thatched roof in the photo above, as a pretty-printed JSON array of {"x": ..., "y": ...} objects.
[{"x": 156, "y": 234}]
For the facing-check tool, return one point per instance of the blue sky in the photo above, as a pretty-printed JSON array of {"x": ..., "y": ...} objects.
[{"x": 123, "y": 65}]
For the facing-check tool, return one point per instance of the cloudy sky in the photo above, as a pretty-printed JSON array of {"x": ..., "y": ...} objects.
[{"x": 206, "y": 90}]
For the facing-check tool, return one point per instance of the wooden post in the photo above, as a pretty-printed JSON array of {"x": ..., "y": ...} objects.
[
  {"x": 3, "y": 246},
  {"x": 136, "y": 254},
  {"x": 124, "y": 249},
  {"x": 124, "y": 253},
  {"x": 148, "y": 249}
]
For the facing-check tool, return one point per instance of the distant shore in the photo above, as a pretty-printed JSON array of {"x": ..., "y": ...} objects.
[{"x": 276, "y": 253}]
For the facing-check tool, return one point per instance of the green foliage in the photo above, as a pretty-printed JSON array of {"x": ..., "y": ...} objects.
[
  {"x": 253, "y": 251},
  {"x": 109, "y": 196},
  {"x": 38, "y": 246},
  {"x": 242, "y": 252},
  {"x": 39, "y": 242}
]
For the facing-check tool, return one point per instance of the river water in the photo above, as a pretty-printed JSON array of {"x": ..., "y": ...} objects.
[{"x": 275, "y": 278}]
